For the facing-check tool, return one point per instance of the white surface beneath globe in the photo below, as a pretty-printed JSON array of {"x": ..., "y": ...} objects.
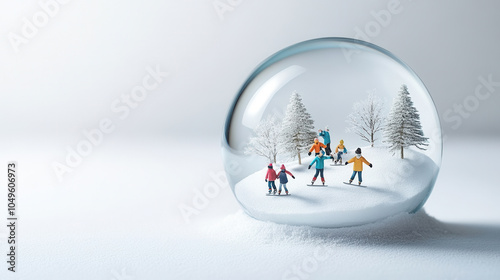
[{"x": 394, "y": 185}]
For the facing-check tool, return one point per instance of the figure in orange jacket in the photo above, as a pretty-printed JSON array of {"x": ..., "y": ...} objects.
[
  {"x": 316, "y": 147},
  {"x": 358, "y": 165}
]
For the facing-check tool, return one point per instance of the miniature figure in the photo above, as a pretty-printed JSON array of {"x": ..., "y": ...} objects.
[
  {"x": 316, "y": 147},
  {"x": 339, "y": 151},
  {"x": 358, "y": 166},
  {"x": 283, "y": 178},
  {"x": 271, "y": 177},
  {"x": 320, "y": 165},
  {"x": 326, "y": 140}
]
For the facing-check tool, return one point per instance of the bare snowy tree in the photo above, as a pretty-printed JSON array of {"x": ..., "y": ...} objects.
[
  {"x": 366, "y": 118},
  {"x": 265, "y": 141},
  {"x": 403, "y": 126},
  {"x": 297, "y": 131}
]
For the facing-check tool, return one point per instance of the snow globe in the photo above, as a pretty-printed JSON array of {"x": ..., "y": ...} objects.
[{"x": 332, "y": 132}]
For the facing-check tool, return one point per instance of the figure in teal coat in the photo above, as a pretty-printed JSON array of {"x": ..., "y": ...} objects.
[
  {"x": 319, "y": 160},
  {"x": 326, "y": 140}
]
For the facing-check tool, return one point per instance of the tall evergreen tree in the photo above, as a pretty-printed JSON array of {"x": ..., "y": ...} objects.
[
  {"x": 265, "y": 142},
  {"x": 297, "y": 131},
  {"x": 403, "y": 128}
]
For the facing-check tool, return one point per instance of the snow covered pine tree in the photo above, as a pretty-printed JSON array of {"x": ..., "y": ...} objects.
[
  {"x": 366, "y": 119},
  {"x": 265, "y": 141},
  {"x": 403, "y": 128},
  {"x": 297, "y": 132}
]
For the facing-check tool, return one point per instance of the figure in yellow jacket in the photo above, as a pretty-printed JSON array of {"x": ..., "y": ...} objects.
[
  {"x": 339, "y": 151},
  {"x": 358, "y": 165},
  {"x": 316, "y": 147}
]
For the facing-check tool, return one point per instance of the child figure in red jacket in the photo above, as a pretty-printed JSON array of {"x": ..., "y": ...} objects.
[{"x": 271, "y": 177}]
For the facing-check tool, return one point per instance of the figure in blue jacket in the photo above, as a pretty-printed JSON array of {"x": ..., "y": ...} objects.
[
  {"x": 283, "y": 178},
  {"x": 326, "y": 139},
  {"x": 320, "y": 165}
]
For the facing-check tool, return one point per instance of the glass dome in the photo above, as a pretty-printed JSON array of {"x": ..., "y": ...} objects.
[{"x": 357, "y": 92}]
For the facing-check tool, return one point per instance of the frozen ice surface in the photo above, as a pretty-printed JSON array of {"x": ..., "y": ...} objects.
[{"x": 394, "y": 185}]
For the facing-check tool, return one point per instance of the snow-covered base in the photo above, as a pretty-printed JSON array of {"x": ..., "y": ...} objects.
[
  {"x": 394, "y": 185},
  {"x": 402, "y": 227}
]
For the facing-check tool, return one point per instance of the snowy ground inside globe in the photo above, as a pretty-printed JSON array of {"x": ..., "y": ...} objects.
[{"x": 392, "y": 186}]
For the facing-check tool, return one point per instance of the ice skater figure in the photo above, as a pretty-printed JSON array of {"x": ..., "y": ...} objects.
[
  {"x": 319, "y": 160},
  {"x": 283, "y": 178},
  {"x": 358, "y": 165},
  {"x": 316, "y": 147},
  {"x": 339, "y": 151},
  {"x": 270, "y": 178},
  {"x": 326, "y": 140}
]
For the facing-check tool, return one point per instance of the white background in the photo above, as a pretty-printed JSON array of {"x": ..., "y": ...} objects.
[{"x": 119, "y": 207}]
